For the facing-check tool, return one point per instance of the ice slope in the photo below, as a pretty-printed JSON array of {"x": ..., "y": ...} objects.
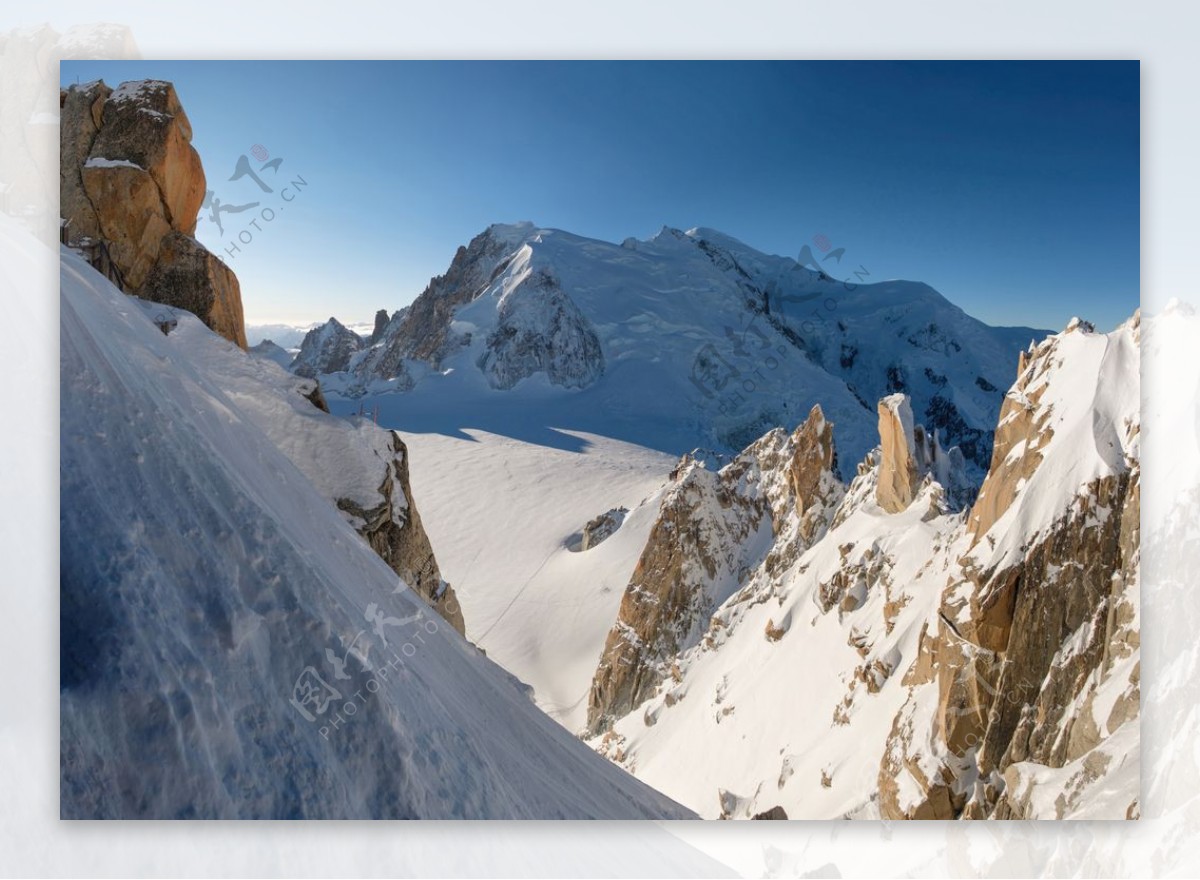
[{"x": 203, "y": 578}]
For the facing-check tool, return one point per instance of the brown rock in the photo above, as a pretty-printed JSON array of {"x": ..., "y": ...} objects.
[
  {"x": 394, "y": 530},
  {"x": 144, "y": 123},
  {"x": 131, "y": 185},
  {"x": 666, "y": 607},
  {"x": 187, "y": 276},
  {"x": 131, "y": 219},
  {"x": 80, "y": 116},
  {"x": 899, "y": 477},
  {"x": 1022, "y": 421}
]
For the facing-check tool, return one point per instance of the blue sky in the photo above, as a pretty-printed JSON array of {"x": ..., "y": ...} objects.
[{"x": 1013, "y": 188}]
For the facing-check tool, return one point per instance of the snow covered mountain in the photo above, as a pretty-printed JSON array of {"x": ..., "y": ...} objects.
[
  {"x": 326, "y": 349},
  {"x": 230, "y": 646},
  {"x": 868, "y": 650},
  {"x": 689, "y": 339}
]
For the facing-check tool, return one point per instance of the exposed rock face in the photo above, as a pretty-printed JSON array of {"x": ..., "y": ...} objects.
[
  {"x": 424, "y": 332},
  {"x": 898, "y": 474},
  {"x": 1034, "y": 655},
  {"x": 189, "y": 277},
  {"x": 699, "y": 554},
  {"x": 909, "y": 455},
  {"x": 326, "y": 349},
  {"x": 131, "y": 217},
  {"x": 541, "y": 331},
  {"x": 600, "y": 529},
  {"x": 381, "y": 321},
  {"x": 131, "y": 186},
  {"x": 393, "y": 529},
  {"x": 1023, "y": 431},
  {"x": 144, "y": 123},
  {"x": 81, "y": 114}
]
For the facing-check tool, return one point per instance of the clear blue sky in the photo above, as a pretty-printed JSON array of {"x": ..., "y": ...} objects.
[{"x": 1013, "y": 188}]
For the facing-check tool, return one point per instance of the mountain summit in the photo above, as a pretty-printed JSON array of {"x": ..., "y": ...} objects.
[{"x": 689, "y": 339}]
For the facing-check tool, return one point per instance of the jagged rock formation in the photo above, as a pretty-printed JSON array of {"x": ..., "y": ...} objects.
[
  {"x": 1034, "y": 657},
  {"x": 393, "y": 529},
  {"x": 423, "y": 332},
  {"x": 540, "y": 330},
  {"x": 381, "y": 321},
  {"x": 971, "y": 663},
  {"x": 909, "y": 455},
  {"x": 131, "y": 186},
  {"x": 326, "y": 349},
  {"x": 706, "y": 541}
]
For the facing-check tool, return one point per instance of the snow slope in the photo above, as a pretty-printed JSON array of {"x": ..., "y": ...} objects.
[
  {"x": 204, "y": 580},
  {"x": 503, "y": 514}
]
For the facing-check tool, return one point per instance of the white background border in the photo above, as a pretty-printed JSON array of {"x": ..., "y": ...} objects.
[{"x": 32, "y": 839}]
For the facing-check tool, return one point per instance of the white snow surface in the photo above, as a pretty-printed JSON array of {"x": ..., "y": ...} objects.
[
  {"x": 203, "y": 579},
  {"x": 502, "y": 513},
  {"x": 98, "y": 162}
]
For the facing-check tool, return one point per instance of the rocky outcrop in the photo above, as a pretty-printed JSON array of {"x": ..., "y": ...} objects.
[
  {"x": 393, "y": 529},
  {"x": 381, "y": 321},
  {"x": 188, "y": 276},
  {"x": 540, "y": 330},
  {"x": 909, "y": 455},
  {"x": 699, "y": 554},
  {"x": 600, "y": 529},
  {"x": 326, "y": 349},
  {"x": 1033, "y": 656},
  {"x": 423, "y": 332},
  {"x": 131, "y": 186},
  {"x": 898, "y": 473},
  {"x": 144, "y": 124},
  {"x": 80, "y": 114}
]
